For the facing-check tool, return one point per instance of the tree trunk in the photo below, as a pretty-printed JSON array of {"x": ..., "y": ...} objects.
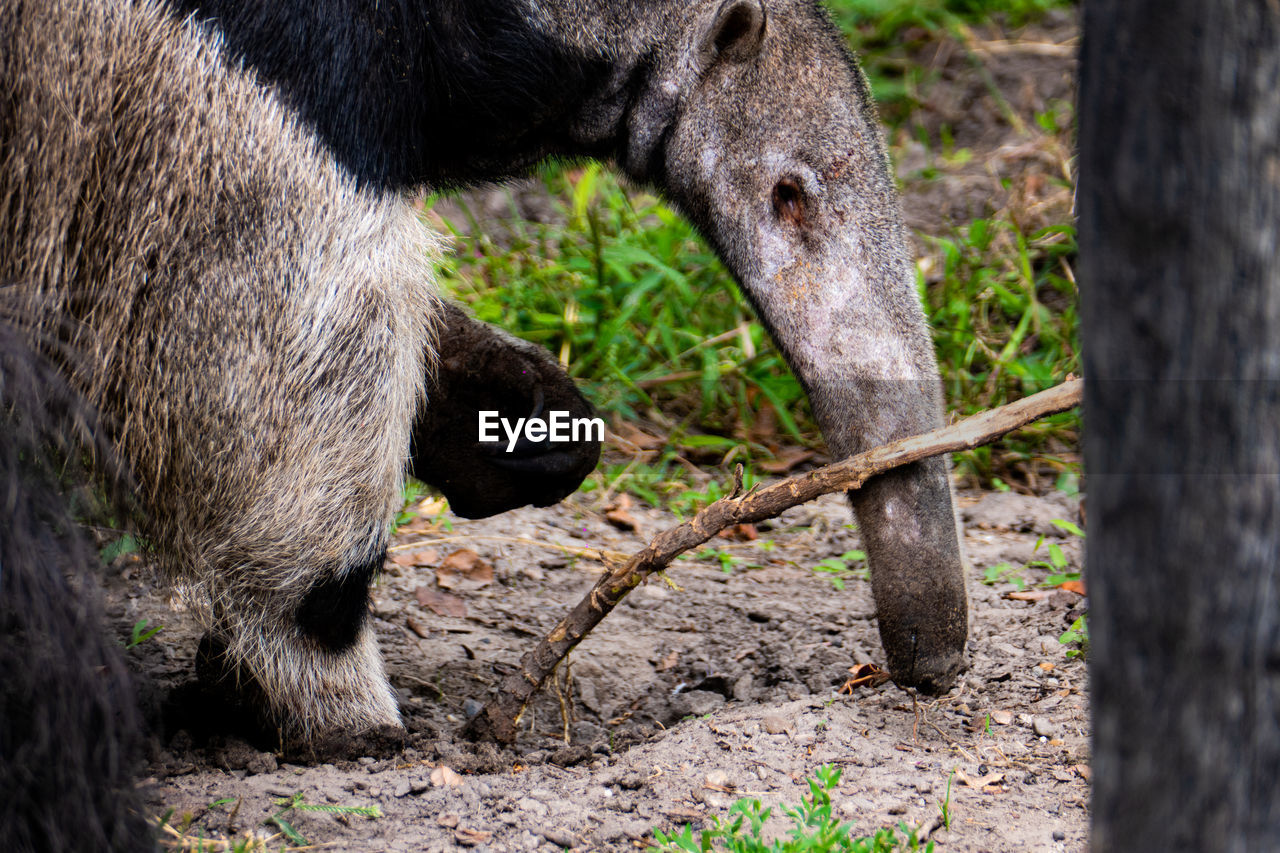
[{"x": 1179, "y": 204}]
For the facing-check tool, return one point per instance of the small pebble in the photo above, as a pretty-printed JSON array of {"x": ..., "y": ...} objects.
[
  {"x": 558, "y": 837},
  {"x": 1042, "y": 727},
  {"x": 1059, "y": 835},
  {"x": 532, "y": 806},
  {"x": 774, "y": 725},
  {"x": 263, "y": 762}
]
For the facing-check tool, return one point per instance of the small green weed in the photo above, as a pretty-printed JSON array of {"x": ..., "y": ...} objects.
[
  {"x": 815, "y": 830},
  {"x": 1057, "y": 564},
  {"x": 126, "y": 544},
  {"x": 296, "y": 803},
  {"x": 1004, "y": 573},
  {"x": 181, "y": 837},
  {"x": 1059, "y": 572},
  {"x": 141, "y": 633},
  {"x": 1077, "y": 635},
  {"x": 666, "y": 481},
  {"x": 944, "y": 808},
  {"x": 410, "y": 493},
  {"x": 728, "y": 562},
  {"x": 838, "y": 569}
]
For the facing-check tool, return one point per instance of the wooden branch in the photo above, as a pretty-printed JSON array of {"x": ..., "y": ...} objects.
[{"x": 500, "y": 717}]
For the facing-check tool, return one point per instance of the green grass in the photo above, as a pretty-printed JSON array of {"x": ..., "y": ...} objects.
[
  {"x": 1005, "y": 325},
  {"x": 890, "y": 17},
  {"x": 814, "y": 829},
  {"x": 882, "y": 32}
]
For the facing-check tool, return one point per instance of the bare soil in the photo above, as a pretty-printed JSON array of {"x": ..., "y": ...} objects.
[
  {"x": 719, "y": 685},
  {"x": 725, "y": 682}
]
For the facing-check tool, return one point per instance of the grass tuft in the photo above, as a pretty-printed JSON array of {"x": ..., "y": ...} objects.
[{"x": 814, "y": 829}]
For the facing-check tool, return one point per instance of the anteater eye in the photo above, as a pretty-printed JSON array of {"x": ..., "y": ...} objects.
[{"x": 788, "y": 201}]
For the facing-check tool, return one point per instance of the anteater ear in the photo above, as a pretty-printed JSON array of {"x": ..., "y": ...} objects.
[{"x": 735, "y": 32}]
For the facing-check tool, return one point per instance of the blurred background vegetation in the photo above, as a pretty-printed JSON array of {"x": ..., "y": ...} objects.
[{"x": 645, "y": 318}]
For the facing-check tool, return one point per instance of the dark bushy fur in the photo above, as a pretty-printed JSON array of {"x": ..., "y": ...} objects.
[
  {"x": 68, "y": 732},
  {"x": 412, "y": 92}
]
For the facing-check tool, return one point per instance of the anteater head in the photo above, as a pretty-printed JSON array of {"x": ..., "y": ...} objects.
[{"x": 756, "y": 121}]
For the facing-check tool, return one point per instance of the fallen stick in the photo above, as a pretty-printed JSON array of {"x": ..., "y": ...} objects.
[{"x": 499, "y": 718}]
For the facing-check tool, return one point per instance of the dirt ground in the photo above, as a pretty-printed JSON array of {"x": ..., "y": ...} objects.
[
  {"x": 681, "y": 701},
  {"x": 723, "y": 683}
]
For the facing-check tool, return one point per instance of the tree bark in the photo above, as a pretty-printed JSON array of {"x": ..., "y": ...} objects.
[{"x": 1179, "y": 204}]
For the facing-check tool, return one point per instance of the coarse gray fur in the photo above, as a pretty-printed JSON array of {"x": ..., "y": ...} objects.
[{"x": 250, "y": 325}]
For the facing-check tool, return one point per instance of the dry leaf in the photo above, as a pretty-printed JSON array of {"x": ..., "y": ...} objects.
[
  {"x": 441, "y": 603},
  {"x": 443, "y": 777},
  {"x": 464, "y": 569},
  {"x": 471, "y": 837},
  {"x": 1073, "y": 586},
  {"x": 784, "y": 463},
  {"x": 642, "y": 440},
  {"x": 863, "y": 675},
  {"x": 617, "y": 515},
  {"x": 431, "y": 506},
  {"x": 416, "y": 628},
  {"x": 410, "y": 559},
  {"x": 1028, "y": 595},
  {"x": 449, "y": 820},
  {"x": 667, "y": 662},
  {"x": 1046, "y": 666},
  {"x": 1083, "y": 771},
  {"x": 980, "y": 781},
  {"x": 683, "y": 813},
  {"x": 740, "y": 533},
  {"x": 1002, "y": 718}
]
